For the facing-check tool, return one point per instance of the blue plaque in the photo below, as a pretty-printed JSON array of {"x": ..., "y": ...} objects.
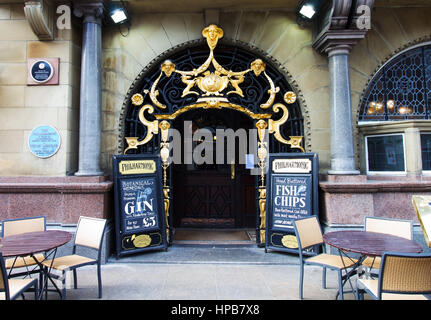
[
  {"x": 41, "y": 71},
  {"x": 44, "y": 141}
]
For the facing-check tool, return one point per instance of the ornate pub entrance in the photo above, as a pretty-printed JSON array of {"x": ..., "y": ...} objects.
[{"x": 206, "y": 86}]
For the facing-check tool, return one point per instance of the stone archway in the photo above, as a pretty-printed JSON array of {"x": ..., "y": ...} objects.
[{"x": 226, "y": 76}]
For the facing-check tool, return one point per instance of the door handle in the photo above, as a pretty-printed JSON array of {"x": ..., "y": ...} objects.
[{"x": 232, "y": 170}]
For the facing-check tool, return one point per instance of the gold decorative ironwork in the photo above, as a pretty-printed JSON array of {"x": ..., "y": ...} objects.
[
  {"x": 295, "y": 142},
  {"x": 274, "y": 125},
  {"x": 213, "y": 104},
  {"x": 164, "y": 155},
  {"x": 289, "y": 97},
  {"x": 210, "y": 85},
  {"x": 137, "y": 99},
  {"x": 152, "y": 129},
  {"x": 262, "y": 212}
]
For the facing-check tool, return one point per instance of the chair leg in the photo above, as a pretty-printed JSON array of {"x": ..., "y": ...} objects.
[
  {"x": 340, "y": 285},
  {"x": 63, "y": 289},
  {"x": 301, "y": 280},
  {"x": 99, "y": 279},
  {"x": 324, "y": 278},
  {"x": 75, "y": 279},
  {"x": 36, "y": 290}
]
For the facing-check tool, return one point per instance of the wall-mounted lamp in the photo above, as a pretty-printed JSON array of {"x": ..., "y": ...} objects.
[
  {"x": 119, "y": 15},
  {"x": 307, "y": 10}
]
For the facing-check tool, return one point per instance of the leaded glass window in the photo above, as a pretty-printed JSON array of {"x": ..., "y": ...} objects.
[{"x": 401, "y": 88}]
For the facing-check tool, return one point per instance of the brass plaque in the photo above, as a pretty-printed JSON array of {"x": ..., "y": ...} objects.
[
  {"x": 422, "y": 205},
  {"x": 289, "y": 241},
  {"x": 141, "y": 241},
  {"x": 137, "y": 166}
]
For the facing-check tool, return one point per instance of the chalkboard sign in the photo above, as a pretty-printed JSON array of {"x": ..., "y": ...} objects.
[
  {"x": 139, "y": 215},
  {"x": 292, "y": 193}
]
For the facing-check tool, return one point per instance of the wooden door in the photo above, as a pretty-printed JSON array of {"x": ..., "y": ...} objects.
[{"x": 214, "y": 195}]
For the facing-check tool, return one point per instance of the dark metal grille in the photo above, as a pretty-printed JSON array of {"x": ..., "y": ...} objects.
[
  {"x": 233, "y": 58},
  {"x": 405, "y": 81}
]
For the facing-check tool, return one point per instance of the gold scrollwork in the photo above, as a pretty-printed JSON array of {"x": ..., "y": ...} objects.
[
  {"x": 213, "y": 103},
  {"x": 272, "y": 92},
  {"x": 295, "y": 142},
  {"x": 274, "y": 125},
  {"x": 152, "y": 129},
  {"x": 154, "y": 93}
]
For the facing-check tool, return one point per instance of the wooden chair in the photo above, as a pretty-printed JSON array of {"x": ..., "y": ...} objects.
[
  {"x": 401, "y": 277},
  {"x": 18, "y": 226},
  {"x": 89, "y": 234},
  {"x": 395, "y": 227},
  {"x": 309, "y": 234},
  {"x": 10, "y": 289}
]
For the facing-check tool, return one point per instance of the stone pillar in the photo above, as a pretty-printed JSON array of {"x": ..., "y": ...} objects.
[
  {"x": 337, "y": 45},
  {"x": 91, "y": 88},
  {"x": 342, "y": 150}
]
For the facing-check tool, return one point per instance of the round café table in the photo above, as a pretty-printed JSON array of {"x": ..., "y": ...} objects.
[
  {"x": 28, "y": 244},
  {"x": 367, "y": 243},
  {"x": 370, "y": 243}
]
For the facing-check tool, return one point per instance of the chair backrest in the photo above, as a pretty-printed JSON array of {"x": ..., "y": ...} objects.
[
  {"x": 89, "y": 232},
  {"x": 11, "y": 227},
  {"x": 395, "y": 227},
  {"x": 405, "y": 273},
  {"x": 308, "y": 232},
  {"x": 4, "y": 285}
]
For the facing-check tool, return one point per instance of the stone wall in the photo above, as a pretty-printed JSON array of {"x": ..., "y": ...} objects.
[{"x": 22, "y": 107}]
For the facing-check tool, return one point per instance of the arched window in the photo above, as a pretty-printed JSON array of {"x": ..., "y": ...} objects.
[
  {"x": 400, "y": 90},
  {"x": 394, "y": 113}
]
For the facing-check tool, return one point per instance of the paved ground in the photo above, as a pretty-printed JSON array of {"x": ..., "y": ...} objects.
[{"x": 209, "y": 273}]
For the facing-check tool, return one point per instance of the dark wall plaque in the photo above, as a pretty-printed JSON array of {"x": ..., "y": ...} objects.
[
  {"x": 292, "y": 193},
  {"x": 139, "y": 214},
  {"x": 41, "y": 71}
]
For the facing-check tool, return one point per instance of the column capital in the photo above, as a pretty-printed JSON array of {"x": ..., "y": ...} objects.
[
  {"x": 335, "y": 42},
  {"x": 91, "y": 12}
]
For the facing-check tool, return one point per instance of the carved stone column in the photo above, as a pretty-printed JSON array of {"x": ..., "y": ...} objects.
[
  {"x": 336, "y": 38},
  {"x": 342, "y": 150},
  {"x": 91, "y": 88}
]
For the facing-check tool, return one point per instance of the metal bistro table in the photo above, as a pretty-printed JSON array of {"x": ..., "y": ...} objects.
[
  {"x": 365, "y": 244},
  {"x": 28, "y": 244}
]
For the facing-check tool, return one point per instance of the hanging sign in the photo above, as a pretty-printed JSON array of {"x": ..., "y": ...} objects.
[
  {"x": 139, "y": 215},
  {"x": 292, "y": 193}
]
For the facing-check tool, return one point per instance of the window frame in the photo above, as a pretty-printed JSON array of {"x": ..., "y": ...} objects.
[
  {"x": 381, "y": 173},
  {"x": 425, "y": 172}
]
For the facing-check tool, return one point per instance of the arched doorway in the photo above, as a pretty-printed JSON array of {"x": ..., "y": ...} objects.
[
  {"x": 224, "y": 84},
  {"x": 218, "y": 194}
]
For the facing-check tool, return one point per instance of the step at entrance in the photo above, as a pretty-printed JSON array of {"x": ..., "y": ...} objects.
[{"x": 214, "y": 237}]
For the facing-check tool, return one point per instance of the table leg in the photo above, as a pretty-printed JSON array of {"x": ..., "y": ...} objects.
[
  {"x": 46, "y": 275},
  {"x": 348, "y": 274}
]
